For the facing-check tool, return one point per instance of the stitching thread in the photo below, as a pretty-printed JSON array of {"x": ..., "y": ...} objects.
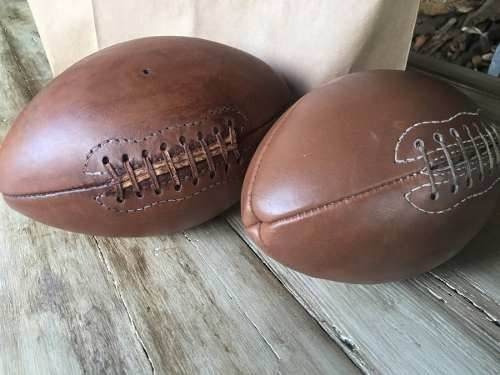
[
  {"x": 99, "y": 197},
  {"x": 471, "y": 196},
  {"x": 58, "y": 192},
  {"x": 349, "y": 198},
  {"x": 400, "y": 139},
  {"x": 261, "y": 155},
  {"x": 93, "y": 150},
  {"x": 466, "y": 145}
]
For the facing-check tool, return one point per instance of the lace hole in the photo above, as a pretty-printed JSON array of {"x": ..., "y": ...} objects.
[
  {"x": 146, "y": 71},
  {"x": 454, "y": 132},
  {"x": 454, "y": 188},
  {"x": 177, "y": 187},
  {"x": 119, "y": 200},
  {"x": 182, "y": 140},
  {"x": 438, "y": 137},
  {"x": 226, "y": 168},
  {"x": 163, "y": 146},
  {"x": 212, "y": 174},
  {"x": 139, "y": 194},
  {"x": 418, "y": 144},
  {"x": 145, "y": 154},
  {"x": 125, "y": 158},
  {"x": 200, "y": 136},
  {"x": 434, "y": 196},
  {"x": 157, "y": 191},
  {"x": 469, "y": 182},
  {"x": 105, "y": 160},
  {"x": 195, "y": 181},
  {"x": 216, "y": 130}
]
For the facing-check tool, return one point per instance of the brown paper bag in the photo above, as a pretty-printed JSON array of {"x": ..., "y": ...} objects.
[{"x": 310, "y": 42}]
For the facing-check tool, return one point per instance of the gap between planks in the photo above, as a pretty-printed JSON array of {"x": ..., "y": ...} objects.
[{"x": 461, "y": 312}]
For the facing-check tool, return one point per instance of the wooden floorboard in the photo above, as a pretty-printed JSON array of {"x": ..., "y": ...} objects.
[
  {"x": 203, "y": 302},
  {"x": 431, "y": 324},
  {"x": 24, "y": 68},
  {"x": 197, "y": 302},
  {"x": 202, "y": 299},
  {"x": 59, "y": 312}
]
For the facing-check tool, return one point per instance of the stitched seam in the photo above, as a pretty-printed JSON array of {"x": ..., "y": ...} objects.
[
  {"x": 261, "y": 155},
  {"x": 104, "y": 143},
  {"x": 58, "y": 192},
  {"x": 470, "y": 196},
  {"x": 459, "y": 167},
  {"x": 98, "y": 199},
  {"x": 400, "y": 139},
  {"x": 109, "y": 183},
  {"x": 345, "y": 200},
  {"x": 450, "y": 145}
]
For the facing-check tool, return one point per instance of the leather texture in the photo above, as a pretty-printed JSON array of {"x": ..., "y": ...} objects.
[
  {"x": 145, "y": 137},
  {"x": 373, "y": 177}
]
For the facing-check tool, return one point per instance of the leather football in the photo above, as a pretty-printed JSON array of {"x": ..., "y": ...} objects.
[
  {"x": 373, "y": 177},
  {"x": 145, "y": 137}
]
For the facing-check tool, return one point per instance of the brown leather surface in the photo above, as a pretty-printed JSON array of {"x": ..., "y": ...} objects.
[
  {"x": 338, "y": 189},
  {"x": 206, "y": 104}
]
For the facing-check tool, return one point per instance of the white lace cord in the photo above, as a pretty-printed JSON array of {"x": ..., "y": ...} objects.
[
  {"x": 493, "y": 134},
  {"x": 487, "y": 145},
  {"x": 438, "y": 138},
  {"x": 469, "y": 181},
  {"x": 478, "y": 154},
  {"x": 420, "y": 146}
]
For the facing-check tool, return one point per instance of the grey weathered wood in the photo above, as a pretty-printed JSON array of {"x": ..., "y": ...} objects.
[
  {"x": 411, "y": 327},
  {"x": 203, "y": 303},
  {"x": 59, "y": 313},
  {"x": 23, "y": 66},
  {"x": 481, "y": 88},
  {"x": 75, "y": 304},
  {"x": 479, "y": 264}
]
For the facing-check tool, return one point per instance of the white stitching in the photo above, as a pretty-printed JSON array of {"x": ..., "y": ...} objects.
[
  {"x": 459, "y": 167},
  {"x": 99, "y": 197},
  {"x": 108, "y": 141},
  {"x": 441, "y": 172},
  {"x": 471, "y": 196},
  {"x": 400, "y": 139},
  {"x": 346, "y": 199}
]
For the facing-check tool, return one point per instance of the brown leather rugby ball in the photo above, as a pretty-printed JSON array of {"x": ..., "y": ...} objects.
[
  {"x": 145, "y": 137},
  {"x": 376, "y": 176}
]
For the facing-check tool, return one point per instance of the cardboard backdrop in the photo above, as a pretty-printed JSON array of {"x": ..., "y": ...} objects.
[{"x": 308, "y": 41}]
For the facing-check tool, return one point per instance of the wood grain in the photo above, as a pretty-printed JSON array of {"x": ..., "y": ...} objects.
[
  {"x": 203, "y": 300},
  {"x": 59, "y": 312},
  {"x": 76, "y": 304},
  {"x": 411, "y": 327},
  {"x": 23, "y": 66}
]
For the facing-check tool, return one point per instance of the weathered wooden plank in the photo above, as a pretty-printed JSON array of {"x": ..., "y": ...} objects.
[
  {"x": 59, "y": 313},
  {"x": 201, "y": 304},
  {"x": 296, "y": 338},
  {"x": 416, "y": 326},
  {"x": 21, "y": 35},
  {"x": 478, "y": 265},
  {"x": 23, "y": 66}
]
